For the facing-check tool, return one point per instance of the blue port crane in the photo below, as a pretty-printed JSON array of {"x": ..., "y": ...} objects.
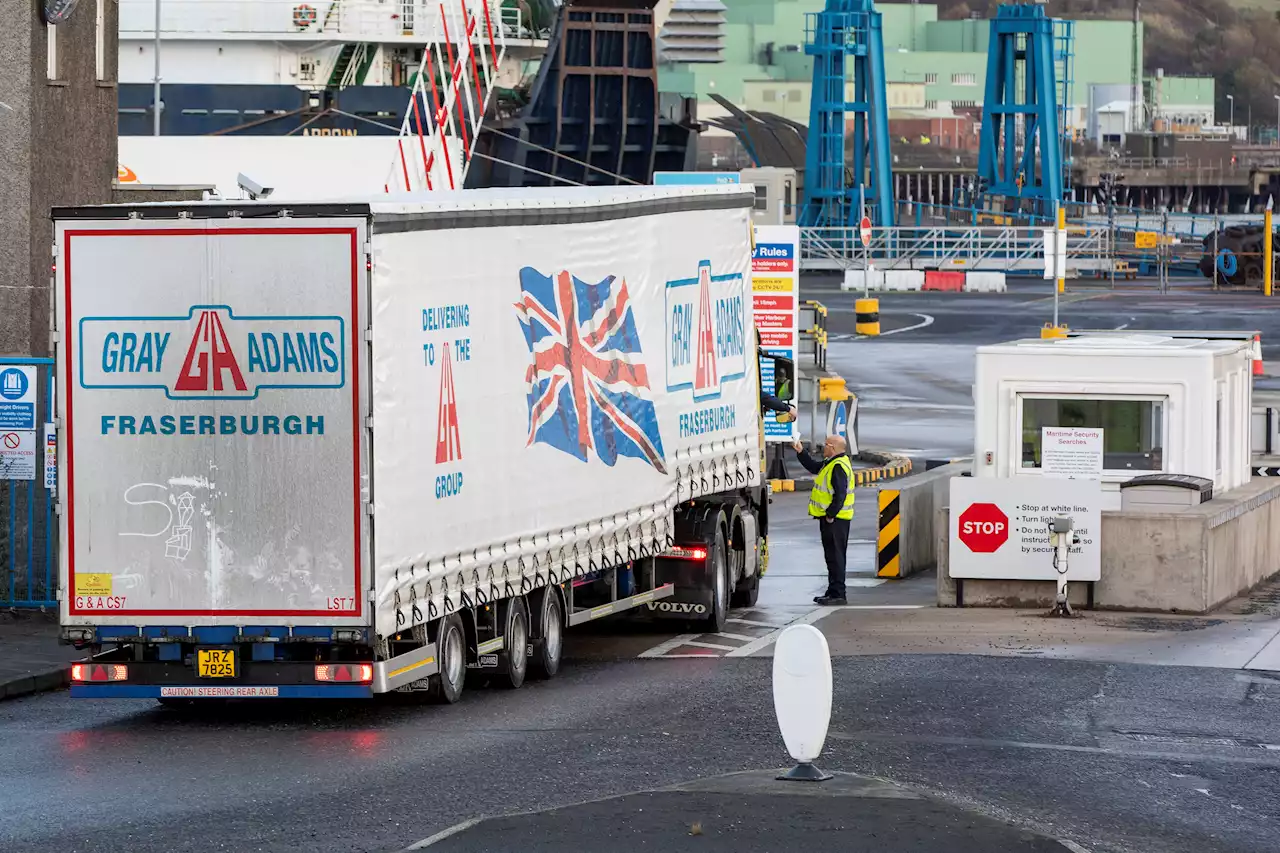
[
  {"x": 847, "y": 33},
  {"x": 1020, "y": 154}
]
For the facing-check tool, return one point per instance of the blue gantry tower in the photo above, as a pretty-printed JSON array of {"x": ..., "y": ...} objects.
[
  {"x": 1021, "y": 158},
  {"x": 847, "y": 32}
]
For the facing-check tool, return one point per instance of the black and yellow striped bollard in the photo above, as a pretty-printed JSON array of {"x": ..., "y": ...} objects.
[
  {"x": 867, "y": 316},
  {"x": 890, "y": 528}
]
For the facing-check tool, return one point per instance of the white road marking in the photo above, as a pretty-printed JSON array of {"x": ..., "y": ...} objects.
[
  {"x": 1072, "y": 846},
  {"x": 716, "y": 646},
  {"x": 753, "y": 623},
  {"x": 443, "y": 834},
  {"x": 768, "y": 639},
  {"x": 729, "y": 636},
  {"x": 863, "y": 582},
  {"x": 927, "y": 321},
  {"x": 662, "y": 648}
]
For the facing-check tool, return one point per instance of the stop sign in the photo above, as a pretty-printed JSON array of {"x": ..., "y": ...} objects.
[{"x": 984, "y": 528}]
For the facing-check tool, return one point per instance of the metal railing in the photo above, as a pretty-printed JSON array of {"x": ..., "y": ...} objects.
[
  {"x": 1006, "y": 249},
  {"x": 340, "y": 20},
  {"x": 28, "y": 526},
  {"x": 813, "y": 332}
]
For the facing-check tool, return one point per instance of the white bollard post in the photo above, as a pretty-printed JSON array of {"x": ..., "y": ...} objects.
[{"x": 802, "y": 698}]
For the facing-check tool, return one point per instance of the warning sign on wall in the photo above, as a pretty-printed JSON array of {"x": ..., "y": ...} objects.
[{"x": 18, "y": 454}]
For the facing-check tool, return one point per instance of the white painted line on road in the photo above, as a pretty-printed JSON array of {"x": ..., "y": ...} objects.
[
  {"x": 729, "y": 636},
  {"x": 1072, "y": 846},
  {"x": 701, "y": 645},
  {"x": 443, "y": 834},
  {"x": 753, "y": 623},
  {"x": 662, "y": 648},
  {"x": 768, "y": 639},
  {"x": 928, "y": 321},
  {"x": 882, "y": 607}
]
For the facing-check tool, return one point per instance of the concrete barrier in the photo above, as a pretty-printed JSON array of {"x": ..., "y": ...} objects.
[
  {"x": 944, "y": 280},
  {"x": 882, "y": 280},
  {"x": 1185, "y": 562},
  {"x": 985, "y": 282},
  {"x": 906, "y": 544}
]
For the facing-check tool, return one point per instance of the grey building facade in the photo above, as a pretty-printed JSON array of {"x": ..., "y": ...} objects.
[{"x": 57, "y": 147}]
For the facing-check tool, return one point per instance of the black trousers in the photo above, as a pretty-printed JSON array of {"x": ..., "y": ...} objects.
[{"x": 835, "y": 541}]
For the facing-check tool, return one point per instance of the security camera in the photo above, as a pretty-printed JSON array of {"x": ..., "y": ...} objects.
[
  {"x": 254, "y": 189},
  {"x": 1061, "y": 525}
]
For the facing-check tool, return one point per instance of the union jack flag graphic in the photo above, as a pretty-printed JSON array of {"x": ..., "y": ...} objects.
[{"x": 587, "y": 383}]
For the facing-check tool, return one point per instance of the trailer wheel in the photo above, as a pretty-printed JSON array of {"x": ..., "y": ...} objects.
[
  {"x": 516, "y": 643},
  {"x": 748, "y": 592},
  {"x": 451, "y": 648},
  {"x": 718, "y": 563},
  {"x": 547, "y": 650}
]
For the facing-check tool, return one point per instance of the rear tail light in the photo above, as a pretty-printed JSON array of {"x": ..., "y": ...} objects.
[
  {"x": 99, "y": 672},
  {"x": 685, "y": 553},
  {"x": 344, "y": 673}
]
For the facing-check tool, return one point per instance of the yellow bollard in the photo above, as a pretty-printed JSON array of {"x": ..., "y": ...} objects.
[
  {"x": 1062, "y": 235},
  {"x": 1052, "y": 332},
  {"x": 867, "y": 316}
]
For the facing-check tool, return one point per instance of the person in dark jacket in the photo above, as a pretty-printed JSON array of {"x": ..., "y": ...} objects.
[
  {"x": 831, "y": 502},
  {"x": 770, "y": 403}
]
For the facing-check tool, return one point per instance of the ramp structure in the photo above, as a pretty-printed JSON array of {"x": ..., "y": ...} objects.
[
  {"x": 450, "y": 96},
  {"x": 1021, "y": 143},
  {"x": 846, "y": 37}
]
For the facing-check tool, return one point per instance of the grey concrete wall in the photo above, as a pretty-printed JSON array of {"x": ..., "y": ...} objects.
[
  {"x": 1189, "y": 562},
  {"x": 57, "y": 147},
  {"x": 147, "y": 194},
  {"x": 15, "y": 184},
  {"x": 918, "y": 497}
]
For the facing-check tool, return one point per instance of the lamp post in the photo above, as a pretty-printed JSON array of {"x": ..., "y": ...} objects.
[
  {"x": 155, "y": 82},
  {"x": 1231, "y": 99}
]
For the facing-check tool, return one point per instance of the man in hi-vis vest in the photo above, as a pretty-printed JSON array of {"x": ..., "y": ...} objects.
[{"x": 831, "y": 502}]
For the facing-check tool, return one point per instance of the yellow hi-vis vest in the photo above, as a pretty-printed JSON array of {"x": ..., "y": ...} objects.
[{"x": 820, "y": 497}]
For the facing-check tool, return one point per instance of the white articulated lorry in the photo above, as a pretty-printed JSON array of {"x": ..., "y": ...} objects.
[{"x": 344, "y": 449}]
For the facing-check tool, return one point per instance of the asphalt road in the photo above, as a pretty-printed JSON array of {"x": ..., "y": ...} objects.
[
  {"x": 914, "y": 382},
  {"x": 1117, "y": 758}
]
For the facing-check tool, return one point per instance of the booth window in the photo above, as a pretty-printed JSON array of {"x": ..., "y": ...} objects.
[{"x": 1132, "y": 430}]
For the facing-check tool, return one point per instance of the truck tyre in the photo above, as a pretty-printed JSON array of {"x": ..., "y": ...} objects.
[
  {"x": 747, "y": 593},
  {"x": 718, "y": 568},
  {"x": 515, "y": 635},
  {"x": 548, "y": 648},
  {"x": 451, "y": 649}
]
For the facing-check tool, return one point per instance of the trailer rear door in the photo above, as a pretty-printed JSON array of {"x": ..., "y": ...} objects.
[{"x": 212, "y": 409}]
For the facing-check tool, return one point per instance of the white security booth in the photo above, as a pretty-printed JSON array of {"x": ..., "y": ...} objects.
[{"x": 1177, "y": 405}]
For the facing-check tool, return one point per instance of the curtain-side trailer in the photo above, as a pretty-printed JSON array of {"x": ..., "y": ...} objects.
[{"x": 334, "y": 450}]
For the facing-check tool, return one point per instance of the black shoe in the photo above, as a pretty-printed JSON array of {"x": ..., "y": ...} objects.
[
  {"x": 831, "y": 601},
  {"x": 818, "y": 599}
]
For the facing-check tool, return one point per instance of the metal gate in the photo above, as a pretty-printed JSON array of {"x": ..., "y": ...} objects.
[{"x": 28, "y": 526}]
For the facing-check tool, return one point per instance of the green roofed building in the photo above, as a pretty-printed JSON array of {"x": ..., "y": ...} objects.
[{"x": 936, "y": 69}]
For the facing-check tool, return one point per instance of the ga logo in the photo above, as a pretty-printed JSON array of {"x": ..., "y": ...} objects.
[
  {"x": 707, "y": 325},
  {"x": 448, "y": 439},
  {"x": 212, "y": 353}
]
